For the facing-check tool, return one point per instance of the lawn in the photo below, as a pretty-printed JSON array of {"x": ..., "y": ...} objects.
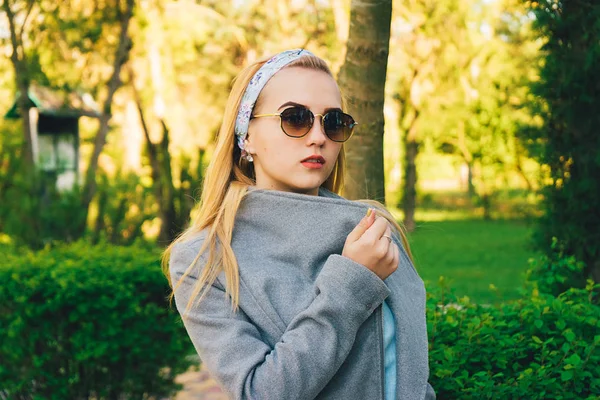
[{"x": 472, "y": 255}]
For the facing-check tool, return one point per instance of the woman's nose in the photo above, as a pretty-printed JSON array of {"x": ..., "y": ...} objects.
[{"x": 316, "y": 134}]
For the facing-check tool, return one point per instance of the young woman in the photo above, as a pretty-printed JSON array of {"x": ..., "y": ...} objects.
[{"x": 287, "y": 290}]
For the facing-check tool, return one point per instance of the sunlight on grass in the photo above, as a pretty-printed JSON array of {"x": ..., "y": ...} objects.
[{"x": 472, "y": 255}]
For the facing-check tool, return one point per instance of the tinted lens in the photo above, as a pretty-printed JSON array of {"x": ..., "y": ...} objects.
[
  {"x": 338, "y": 125},
  {"x": 296, "y": 121}
]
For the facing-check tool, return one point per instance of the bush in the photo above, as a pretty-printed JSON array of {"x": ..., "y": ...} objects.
[
  {"x": 82, "y": 322},
  {"x": 540, "y": 347},
  {"x": 34, "y": 212},
  {"x": 556, "y": 273},
  {"x": 566, "y": 143}
]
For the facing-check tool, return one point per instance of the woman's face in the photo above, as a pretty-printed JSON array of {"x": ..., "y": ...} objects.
[{"x": 279, "y": 160}]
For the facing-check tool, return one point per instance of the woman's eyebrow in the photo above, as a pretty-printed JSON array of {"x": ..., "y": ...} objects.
[
  {"x": 291, "y": 103},
  {"x": 294, "y": 104}
]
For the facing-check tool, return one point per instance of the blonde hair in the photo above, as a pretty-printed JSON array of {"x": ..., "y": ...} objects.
[{"x": 226, "y": 182}]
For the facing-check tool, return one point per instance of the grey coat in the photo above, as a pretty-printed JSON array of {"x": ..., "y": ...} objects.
[{"x": 310, "y": 321}]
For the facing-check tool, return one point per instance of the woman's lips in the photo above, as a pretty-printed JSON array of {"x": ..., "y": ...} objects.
[
  {"x": 313, "y": 162},
  {"x": 312, "y": 165}
]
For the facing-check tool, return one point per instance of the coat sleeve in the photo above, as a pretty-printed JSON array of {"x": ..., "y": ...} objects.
[{"x": 310, "y": 351}]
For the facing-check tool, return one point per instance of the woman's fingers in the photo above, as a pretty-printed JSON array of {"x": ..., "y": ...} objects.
[
  {"x": 376, "y": 231},
  {"x": 391, "y": 253},
  {"x": 362, "y": 227},
  {"x": 383, "y": 244},
  {"x": 370, "y": 244}
]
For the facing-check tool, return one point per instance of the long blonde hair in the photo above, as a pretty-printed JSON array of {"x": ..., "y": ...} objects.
[{"x": 226, "y": 182}]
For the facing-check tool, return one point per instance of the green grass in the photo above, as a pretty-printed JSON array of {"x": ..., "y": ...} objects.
[{"x": 472, "y": 255}]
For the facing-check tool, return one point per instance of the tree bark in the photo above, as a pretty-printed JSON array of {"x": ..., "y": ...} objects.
[
  {"x": 362, "y": 81},
  {"x": 467, "y": 157},
  {"x": 121, "y": 55},
  {"x": 470, "y": 186},
  {"x": 170, "y": 227},
  {"x": 411, "y": 151}
]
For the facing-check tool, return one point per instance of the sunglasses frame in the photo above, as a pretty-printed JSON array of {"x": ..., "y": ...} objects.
[{"x": 314, "y": 119}]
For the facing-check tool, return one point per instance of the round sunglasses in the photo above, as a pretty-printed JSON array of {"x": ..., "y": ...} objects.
[{"x": 297, "y": 121}]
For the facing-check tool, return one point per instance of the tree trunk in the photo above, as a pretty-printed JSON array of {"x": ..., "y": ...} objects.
[
  {"x": 362, "y": 81},
  {"x": 519, "y": 167},
  {"x": 160, "y": 161},
  {"x": 151, "y": 148},
  {"x": 19, "y": 62},
  {"x": 121, "y": 55},
  {"x": 470, "y": 186},
  {"x": 100, "y": 226},
  {"x": 467, "y": 157},
  {"x": 411, "y": 151},
  {"x": 170, "y": 228},
  {"x": 595, "y": 271}
]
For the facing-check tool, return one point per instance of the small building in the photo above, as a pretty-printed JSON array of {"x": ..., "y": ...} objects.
[{"x": 54, "y": 118}]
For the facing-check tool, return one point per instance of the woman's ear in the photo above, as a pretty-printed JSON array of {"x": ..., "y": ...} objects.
[{"x": 249, "y": 145}]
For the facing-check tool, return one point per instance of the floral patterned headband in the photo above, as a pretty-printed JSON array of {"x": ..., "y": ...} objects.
[{"x": 256, "y": 85}]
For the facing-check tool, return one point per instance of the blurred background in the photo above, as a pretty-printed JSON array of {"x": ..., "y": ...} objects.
[{"x": 489, "y": 156}]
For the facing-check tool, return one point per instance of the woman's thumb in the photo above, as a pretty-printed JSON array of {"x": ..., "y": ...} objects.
[{"x": 362, "y": 227}]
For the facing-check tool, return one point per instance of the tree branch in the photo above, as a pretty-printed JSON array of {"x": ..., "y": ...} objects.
[
  {"x": 113, "y": 84},
  {"x": 30, "y": 5},
  {"x": 22, "y": 81}
]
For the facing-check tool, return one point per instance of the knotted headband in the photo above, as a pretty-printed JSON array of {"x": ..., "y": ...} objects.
[{"x": 256, "y": 85}]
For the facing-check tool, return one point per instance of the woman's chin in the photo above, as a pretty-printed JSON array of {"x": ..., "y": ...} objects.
[{"x": 307, "y": 187}]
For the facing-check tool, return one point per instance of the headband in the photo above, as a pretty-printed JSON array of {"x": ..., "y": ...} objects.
[{"x": 256, "y": 85}]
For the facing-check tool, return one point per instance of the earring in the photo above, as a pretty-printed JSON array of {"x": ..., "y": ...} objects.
[{"x": 247, "y": 156}]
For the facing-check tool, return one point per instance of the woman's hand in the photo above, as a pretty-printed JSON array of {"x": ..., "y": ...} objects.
[{"x": 368, "y": 244}]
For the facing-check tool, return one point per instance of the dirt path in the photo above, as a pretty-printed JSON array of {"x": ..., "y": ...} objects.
[{"x": 198, "y": 385}]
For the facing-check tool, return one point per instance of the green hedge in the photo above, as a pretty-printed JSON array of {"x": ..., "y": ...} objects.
[
  {"x": 539, "y": 347},
  {"x": 83, "y": 322}
]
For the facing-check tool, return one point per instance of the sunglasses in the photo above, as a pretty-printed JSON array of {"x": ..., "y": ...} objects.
[{"x": 297, "y": 121}]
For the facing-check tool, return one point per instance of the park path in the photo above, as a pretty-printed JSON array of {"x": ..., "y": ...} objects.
[{"x": 198, "y": 385}]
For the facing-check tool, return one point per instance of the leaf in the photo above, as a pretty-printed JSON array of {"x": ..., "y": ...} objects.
[
  {"x": 538, "y": 323},
  {"x": 566, "y": 375},
  {"x": 569, "y": 335},
  {"x": 574, "y": 359}
]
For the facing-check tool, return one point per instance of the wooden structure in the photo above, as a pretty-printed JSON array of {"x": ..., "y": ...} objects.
[{"x": 54, "y": 120}]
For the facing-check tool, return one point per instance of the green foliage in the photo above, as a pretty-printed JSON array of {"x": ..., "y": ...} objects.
[
  {"x": 86, "y": 33},
  {"x": 539, "y": 347},
  {"x": 32, "y": 211},
  {"x": 199, "y": 47},
  {"x": 567, "y": 141},
  {"x": 124, "y": 203},
  {"x": 459, "y": 83},
  {"x": 83, "y": 322},
  {"x": 556, "y": 273}
]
